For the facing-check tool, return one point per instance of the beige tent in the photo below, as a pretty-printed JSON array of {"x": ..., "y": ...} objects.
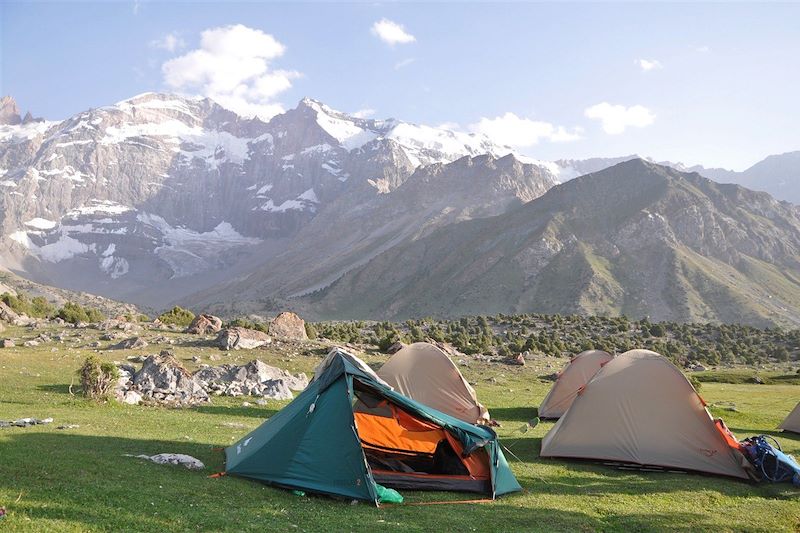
[
  {"x": 575, "y": 375},
  {"x": 792, "y": 422},
  {"x": 424, "y": 373},
  {"x": 639, "y": 408}
]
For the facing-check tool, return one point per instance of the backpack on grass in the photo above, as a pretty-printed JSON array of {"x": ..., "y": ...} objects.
[{"x": 770, "y": 461}]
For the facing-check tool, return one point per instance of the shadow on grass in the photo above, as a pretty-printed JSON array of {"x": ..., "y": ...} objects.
[
  {"x": 514, "y": 414},
  {"x": 91, "y": 484},
  {"x": 60, "y": 388},
  {"x": 254, "y": 412}
]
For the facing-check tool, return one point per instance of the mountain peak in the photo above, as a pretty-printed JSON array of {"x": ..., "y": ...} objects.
[{"x": 9, "y": 112}]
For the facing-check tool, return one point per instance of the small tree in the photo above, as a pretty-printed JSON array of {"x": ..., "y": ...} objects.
[
  {"x": 177, "y": 316},
  {"x": 97, "y": 378}
]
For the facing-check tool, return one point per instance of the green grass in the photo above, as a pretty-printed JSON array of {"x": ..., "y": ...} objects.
[
  {"x": 78, "y": 480},
  {"x": 747, "y": 376}
]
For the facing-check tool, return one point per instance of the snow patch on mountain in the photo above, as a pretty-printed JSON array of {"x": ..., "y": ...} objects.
[
  {"x": 307, "y": 200},
  {"x": 41, "y": 223}
]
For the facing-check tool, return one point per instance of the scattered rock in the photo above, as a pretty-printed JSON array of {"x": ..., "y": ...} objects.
[
  {"x": 133, "y": 343},
  {"x": 204, "y": 325},
  {"x": 68, "y": 426},
  {"x": 132, "y": 397},
  {"x": 162, "y": 379},
  {"x": 254, "y": 378},
  {"x": 242, "y": 338},
  {"x": 394, "y": 348},
  {"x": 136, "y": 358},
  {"x": 173, "y": 459},
  {"x": 246, "y": 404},
  {"x": 7, "y": 314},
  {"x": 196, "y": 359},
  {"x": 288, "y": 325},
  {"x": 25, "y": 422},
  {"x": 7, "y": 343},
  {"x": 30, "y": 343},
  {"x": 518, "y": 360}
]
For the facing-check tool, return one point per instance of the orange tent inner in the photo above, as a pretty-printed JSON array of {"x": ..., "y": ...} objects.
[{"x": 385, "y": 428}]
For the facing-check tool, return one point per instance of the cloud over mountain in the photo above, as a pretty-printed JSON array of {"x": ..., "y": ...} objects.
[
  {"x": 233, "y": 67},
  {"x": 616, "y": 118}
]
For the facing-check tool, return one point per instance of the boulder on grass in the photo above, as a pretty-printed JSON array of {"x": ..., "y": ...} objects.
[
  {"x": 7, "y": 314},
  {"x": 254, "y": 378},
  {"x": 394, "y": 348},
  {"x": 130, "y": 344},
  {"x": 288, "y": 325},
  {"x": 242, "y": 339},
  {"x": 163, "y": 378},
  {"x": 204, "y": 325}
]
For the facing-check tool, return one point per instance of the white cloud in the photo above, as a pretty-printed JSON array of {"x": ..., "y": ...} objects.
[
  {"x": 392, "y": 33},
  {"x": 452, "y": 126},
  {"x": 404, "y": 63},
  {"x": 170, "y": 42},
  {"x": 649, "y": 64},
  {"x": 515, "y": 131},
  {"x": 232, "y": 67},
  {"x": 616, "y": 118},
  {"x": 364, "y": 113},
  {"x": 703, "y": 49}
]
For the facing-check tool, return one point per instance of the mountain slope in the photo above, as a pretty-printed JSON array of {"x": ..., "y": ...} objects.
[
  {"x": 354, "y": 229},
  {"x": 636, "y": 238},
  {"x": 161, "y": 196}
]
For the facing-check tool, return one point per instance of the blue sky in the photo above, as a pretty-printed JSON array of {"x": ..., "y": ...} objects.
[{"x": 715, "y": 84}]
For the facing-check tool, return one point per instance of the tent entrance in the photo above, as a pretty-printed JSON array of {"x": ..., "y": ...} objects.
[{"x": 406, "y": 452}]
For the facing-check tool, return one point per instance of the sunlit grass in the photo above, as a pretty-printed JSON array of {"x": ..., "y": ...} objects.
[{"x": 79, "y": 479}]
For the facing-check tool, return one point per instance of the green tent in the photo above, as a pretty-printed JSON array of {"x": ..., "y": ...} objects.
[{"x": 348, "y": 431}]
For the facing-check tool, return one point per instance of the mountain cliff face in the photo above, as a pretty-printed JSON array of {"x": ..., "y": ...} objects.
[
  {"x": 636, "y": 238},
  {"x": 160, "y": 196}
]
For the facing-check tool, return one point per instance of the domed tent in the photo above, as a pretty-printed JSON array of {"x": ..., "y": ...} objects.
[
  {"x": 640, "y": 409},
  {"x": 570, "y": 381},
  {"x": 424, "y": 373},
  {"x": 792, "y": 422},
  {"x": 347, "y": 432}
]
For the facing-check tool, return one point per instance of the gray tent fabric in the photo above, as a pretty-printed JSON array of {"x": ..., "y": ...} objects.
[
  {"x": 571, "y": 380},
  {"x": 424, "y": 373},
  {"x": 792, "y": 422},
  {"x": 639, "y": 408}
]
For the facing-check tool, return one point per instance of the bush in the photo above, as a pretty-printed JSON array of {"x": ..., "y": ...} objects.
[
  {"x": 696, "y": 383},
  {"x": 37, "y": 307},
  {"x": 311, "y": 331},
  {"x": 97, "y": 378},
  {"x": 249, "y": 324},
  {"x": 75, "y": 313},
  {"x": 177, "y": 316}
]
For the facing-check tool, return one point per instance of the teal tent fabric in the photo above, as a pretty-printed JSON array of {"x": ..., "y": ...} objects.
[{"x": 312, "y": 444}]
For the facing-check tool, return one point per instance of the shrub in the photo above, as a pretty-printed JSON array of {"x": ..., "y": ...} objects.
[
  {"x": 249, "y": 324},
  {"x": 75, "y": 313},
  {"x": 37, "y": 307},
  {"x": 97, "y": 378},
  {"x": 177, "y": 316},
  {"x": 311, "y": 331},
  {"x": 695, "y": 383}
]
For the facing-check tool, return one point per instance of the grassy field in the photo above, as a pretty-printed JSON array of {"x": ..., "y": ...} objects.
[{"x": 79, "y": 479}]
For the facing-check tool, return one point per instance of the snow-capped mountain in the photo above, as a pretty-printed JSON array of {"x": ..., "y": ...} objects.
[{"x": 177, "y": 191}]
